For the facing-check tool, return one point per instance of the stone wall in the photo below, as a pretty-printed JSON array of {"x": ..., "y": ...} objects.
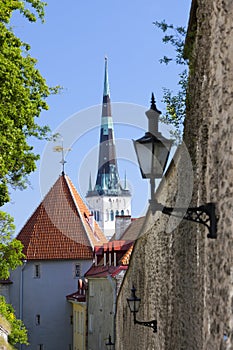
[
  {"x": 166, "y": 271},
  {"x": 211, "y": 105},
  {"x": 184, "y": 279}
]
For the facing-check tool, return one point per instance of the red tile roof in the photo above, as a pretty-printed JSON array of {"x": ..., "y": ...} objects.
[
  {"x": 59, "y": 228},
  {"x": 116, "y": 245},
  {"x": 104, "y": 271},
  {"x": 76, "y": 297},
  {"x": 126, "y": 258}
]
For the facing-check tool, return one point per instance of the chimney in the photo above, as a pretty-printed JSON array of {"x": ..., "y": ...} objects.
[
  {"x": 121, "y": 224},
  {"x": 91, "y": 221}
]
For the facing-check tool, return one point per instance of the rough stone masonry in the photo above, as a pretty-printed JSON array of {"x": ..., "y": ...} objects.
[{"x": 184, "y": 279}]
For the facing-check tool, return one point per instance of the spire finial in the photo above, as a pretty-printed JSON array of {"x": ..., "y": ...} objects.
[
  {"x": 153, "y": 104},
  {"x": 106, "y": 82},
  {"x": 62, "y": 149}
]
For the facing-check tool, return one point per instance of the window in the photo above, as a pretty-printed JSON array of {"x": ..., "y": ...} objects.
[
  {"x": 112, "y": 215},
  {"x": 82, "y": 323},
  {"x": 91, "y": 323},
  {"x": 117, "y": 212},
  {"x": 77, "y": 271},
  {"x": 37, "y": 320},
  {"x": 75, "y": 321},
  {"x": 36, "y": 271},
  {"x": 91, "y": 290},
  {"x": 122, "y": 212},
  {"x": 97, "y": 215},
  {"x": 40, "y": 347},
  {"x": 100, "y": 340},
  {"x": 106, "y": 215},
  {"x": 101, "y": 300}
]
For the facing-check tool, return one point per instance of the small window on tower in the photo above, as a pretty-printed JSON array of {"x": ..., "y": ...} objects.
[
  {"x": 36, "y": 271},
  {"x": 77, "y": 271},
  {"x": 97, "y": 215},
  {"x": 37, "y": 320},
  {"x": 112, "y": 215},
  {"x": 122, "y": 212}
]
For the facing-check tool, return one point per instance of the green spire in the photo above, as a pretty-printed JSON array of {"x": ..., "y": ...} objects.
[{"x": 106, "y": 83}]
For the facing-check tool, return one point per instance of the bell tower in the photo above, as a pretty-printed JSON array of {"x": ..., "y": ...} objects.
[{"x": 108, "y": 198}]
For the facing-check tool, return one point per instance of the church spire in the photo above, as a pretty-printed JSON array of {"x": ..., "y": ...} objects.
[
  {"x": 107, "y": 181},
  {"x": 106, "y": 82},
  {"x": 102, "y": 196}
]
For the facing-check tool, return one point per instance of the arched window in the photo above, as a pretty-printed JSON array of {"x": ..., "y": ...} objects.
[
  {"x": 117, "y": 212},
  {"x": 97, "y": 215},
  {"x": 122, "y": 212},
  {"x": 112, "y": 215}
]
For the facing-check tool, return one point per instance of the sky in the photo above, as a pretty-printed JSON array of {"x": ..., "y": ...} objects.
[{"x": 70, "y": 48}]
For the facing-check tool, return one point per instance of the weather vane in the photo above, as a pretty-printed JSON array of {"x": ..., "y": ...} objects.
[{"x": 62, "y": 149}]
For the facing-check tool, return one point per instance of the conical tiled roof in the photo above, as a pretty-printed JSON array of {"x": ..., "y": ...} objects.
[{"x": 60, "y": 228}]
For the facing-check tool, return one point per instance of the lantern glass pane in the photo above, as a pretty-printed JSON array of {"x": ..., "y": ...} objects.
[
  {"x": 160, "y": 159},
  {"x": 134, "y": 304},
  {"x": 137, "y": 304},
  {"x": 145, "y": 156}
]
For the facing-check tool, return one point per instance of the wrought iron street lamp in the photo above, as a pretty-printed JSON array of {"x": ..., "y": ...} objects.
[
  {"x": 110, "y": 344},
  {"x": 152, "y": 152},
  {"x": 134, "y": 303}
]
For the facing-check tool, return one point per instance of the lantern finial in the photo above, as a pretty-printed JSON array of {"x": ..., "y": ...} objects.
[{"x": 153, "y": 104}]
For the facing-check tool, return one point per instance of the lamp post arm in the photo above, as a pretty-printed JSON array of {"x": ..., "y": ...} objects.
[
  {"x": 204, "y": 214},
  {"x": 151, "y": 324}
]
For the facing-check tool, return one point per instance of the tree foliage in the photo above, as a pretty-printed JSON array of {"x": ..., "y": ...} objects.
[
  {"x": 23, "y": 93},
  {"x": 18, "y": 332},
  {"x": 22, "y": 98},
  {"x": 175, "y": 103},
  {"x": 10, "y": 249}
]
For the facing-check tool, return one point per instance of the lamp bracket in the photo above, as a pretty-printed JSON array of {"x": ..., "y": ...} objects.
[
  {"x": 151, "y": 324},
  {"x": 204, "y": 214}
]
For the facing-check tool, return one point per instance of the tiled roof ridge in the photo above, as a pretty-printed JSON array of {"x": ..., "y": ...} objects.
[
  {"x": 85, "y": 221},
  {"x": 36, "y": 211},
  {"x": 69, "y": 182}
]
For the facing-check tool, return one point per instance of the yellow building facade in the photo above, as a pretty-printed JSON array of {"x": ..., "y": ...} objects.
[{"x": 79, "y": 325}]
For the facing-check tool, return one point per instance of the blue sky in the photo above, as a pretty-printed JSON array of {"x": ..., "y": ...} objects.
[{"x": 70, "y": 48}]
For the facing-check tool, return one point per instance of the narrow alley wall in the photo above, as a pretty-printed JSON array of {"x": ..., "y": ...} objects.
[{"x": 183, "y": 278}]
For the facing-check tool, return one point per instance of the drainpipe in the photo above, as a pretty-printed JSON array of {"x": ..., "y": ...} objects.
[{"x": 21, "y": 294}]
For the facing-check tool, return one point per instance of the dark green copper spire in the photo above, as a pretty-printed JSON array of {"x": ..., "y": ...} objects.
[{"x": 107, "y": 181}]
